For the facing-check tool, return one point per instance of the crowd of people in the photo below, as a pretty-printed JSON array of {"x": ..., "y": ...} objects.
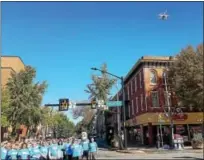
[{"x": 50, "y": 149}]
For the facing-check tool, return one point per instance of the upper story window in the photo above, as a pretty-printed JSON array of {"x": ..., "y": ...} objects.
[
  {"x": 140, "y": 75},
  {"x": 153, "y": 77},
  {"x": 164, "y": 77},
  {"x": 135, "y": 83},
  {"x": 127, "y": 92},
  {"x": 137, "y": 104},
  {"x": 155, "y": 99},
  {"x": 141, "y": 96},
  {"x": 167, "y": 99},
  {"x": 132, "y": 103},
  {"x": 131, "y": 86}
]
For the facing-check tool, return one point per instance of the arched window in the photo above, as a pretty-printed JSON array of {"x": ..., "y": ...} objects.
[{"x": 153, "y": 77}]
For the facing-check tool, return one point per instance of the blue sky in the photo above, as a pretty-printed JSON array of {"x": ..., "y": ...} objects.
[{"x": 63, "y": 40}]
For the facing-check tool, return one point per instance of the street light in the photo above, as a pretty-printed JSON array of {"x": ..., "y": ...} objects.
[
  {"x": 169, "y": 109},
  {"x": 123, "y": 101}
]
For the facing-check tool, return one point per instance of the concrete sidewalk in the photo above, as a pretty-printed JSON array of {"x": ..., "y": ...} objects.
[{"x": 155, "y": 150}]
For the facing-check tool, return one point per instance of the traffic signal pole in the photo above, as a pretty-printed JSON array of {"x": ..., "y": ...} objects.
[{"x": 123, "y": 107}]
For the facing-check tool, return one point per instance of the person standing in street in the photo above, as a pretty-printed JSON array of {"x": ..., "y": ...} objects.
[
  {"x": 85, "y": 147},
  {"x": 93, "y": 148},
  {"x": 77, "y": 150}
]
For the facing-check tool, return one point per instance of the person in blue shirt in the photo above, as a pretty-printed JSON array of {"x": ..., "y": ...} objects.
[
  {"x": 35, "y": 152},
  {"x": 12, "y": 153},
  {"x": 60, "y": 149},
  {"x": 77, "y": 150},
  {"x": 44, "y": 151},
  {"x": 4, "y": 152},
  {"x": 53, "y": 151},
  {"x": 24, "y": 153},
  {"x": 85, "y": 146},
  {"x": 93, "y": 148},
  {"x": 69, "y": 150}
]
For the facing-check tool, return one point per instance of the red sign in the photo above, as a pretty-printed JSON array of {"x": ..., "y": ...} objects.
[{"x": 180, "y": 117}]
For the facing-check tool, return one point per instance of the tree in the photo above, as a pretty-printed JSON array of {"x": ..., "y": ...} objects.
[
  {"x": 61, "y": 125},
  {"x": 4, "y": 108},
  {"x": 101, "y": 86},
  {"x": 99, "y": 89},
  {"x": 25, "y": 98},
  {"x": 186, "y": 77}
]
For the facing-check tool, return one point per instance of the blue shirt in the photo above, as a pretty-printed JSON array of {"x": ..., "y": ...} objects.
[
  {"x": 92, "y": 147},
  {"x": 44, "y": 150},
  {"x": 53, "y": 149},
  {"x": 77, "y": 149},
  {"x": 24, "y": 154},
  {"x": 69, "y": 150},
  {"x": 12, "y": 154},
  {"x": 35, "y": 153},
  {"x": 3, "y": 153},
  {"x": 85, "y": 145}
]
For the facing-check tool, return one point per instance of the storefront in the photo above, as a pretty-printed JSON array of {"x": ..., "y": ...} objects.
[{"x": 153, "y": 124}]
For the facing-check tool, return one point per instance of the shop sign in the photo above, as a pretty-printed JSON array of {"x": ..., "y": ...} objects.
[{"x": 180, "y": 117}]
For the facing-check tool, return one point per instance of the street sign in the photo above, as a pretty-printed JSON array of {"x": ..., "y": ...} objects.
[{"x": 114, "y": 103}]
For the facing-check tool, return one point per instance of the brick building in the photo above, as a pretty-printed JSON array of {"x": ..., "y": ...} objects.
[
  {"x": 10, "y": 64},
  {"x": 146, "y": 101}
]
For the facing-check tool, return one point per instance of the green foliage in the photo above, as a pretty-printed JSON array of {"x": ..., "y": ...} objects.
[
  {"x": 62, "y": 126},
  {"x": 186, "y": 77},
  {"x": 4, "y": 108},
  {"x": 101, "y": 86},
  {"x": 25, "y": 98}
]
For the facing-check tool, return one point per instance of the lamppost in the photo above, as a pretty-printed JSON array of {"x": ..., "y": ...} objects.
[
  {"x": 170, "y": 114},
  {"x": 123, "y": 102}
]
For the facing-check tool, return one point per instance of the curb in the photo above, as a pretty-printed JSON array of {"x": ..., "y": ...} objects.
[{"x": 132, "y": 152}]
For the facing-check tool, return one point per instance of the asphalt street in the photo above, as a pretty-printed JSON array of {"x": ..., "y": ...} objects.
[{"x": 106, "y": 154}]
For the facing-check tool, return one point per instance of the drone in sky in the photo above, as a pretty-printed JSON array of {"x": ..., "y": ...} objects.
[{"x": 163, "y": 16}]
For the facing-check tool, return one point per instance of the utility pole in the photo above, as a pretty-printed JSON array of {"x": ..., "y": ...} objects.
[
  {"x": 123, "y": 103},
  {"x": 169, "y": 110}
]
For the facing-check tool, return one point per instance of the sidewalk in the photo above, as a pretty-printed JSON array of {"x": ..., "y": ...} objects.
[{"x": 134, "y": 150}]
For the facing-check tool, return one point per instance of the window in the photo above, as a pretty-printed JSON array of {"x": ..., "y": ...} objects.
[
  {"x": 127, "y": 92},
  {"x": 141, "y": 102},
  {"x": 163, "y": 77},
  {"x": 132, "y": 103},
  {"x": 146, "y": 102},
  {"x": 137, "y": 104},
  {"x": 140, "y": 79},
  {"x": 135, "y": 83},
  {"x": 153, "y": 77},
  {"x": 155, "y": 99},
  {"x": 129, "y": 110},
  {"x": 131, "y": 85},
  {"x": 165, "y": 99}
]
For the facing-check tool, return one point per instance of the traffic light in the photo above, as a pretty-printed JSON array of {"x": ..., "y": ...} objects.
[
  {"x": 63, "y": 104},
  {"x": 93, "y": 104}
]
